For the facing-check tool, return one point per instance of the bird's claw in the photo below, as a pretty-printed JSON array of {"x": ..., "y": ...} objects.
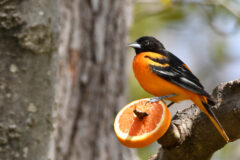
[
  {"x": 153, "y": 100},
  {"x": 156, "y": 99}
]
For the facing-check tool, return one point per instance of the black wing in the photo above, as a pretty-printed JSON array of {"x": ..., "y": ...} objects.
[{"x": 178, "y": 74}]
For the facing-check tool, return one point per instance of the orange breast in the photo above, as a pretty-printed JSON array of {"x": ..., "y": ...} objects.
[{"x": 154, "y": 84}]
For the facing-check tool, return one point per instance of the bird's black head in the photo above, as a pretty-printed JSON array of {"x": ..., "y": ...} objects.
[{"x": 146, "y": 44}]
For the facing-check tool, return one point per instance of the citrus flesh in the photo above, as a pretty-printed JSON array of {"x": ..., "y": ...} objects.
[{"x": 134, "y": 132}]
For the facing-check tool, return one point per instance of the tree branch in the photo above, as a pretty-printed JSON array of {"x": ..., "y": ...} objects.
[{"x": 193, "y": 136}]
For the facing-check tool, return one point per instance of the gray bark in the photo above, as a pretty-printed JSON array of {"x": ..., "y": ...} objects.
[
  {"x": 92, "y": 79},
  {"x": 28, "y": 42},
  {"x": 193, "y": 136}
]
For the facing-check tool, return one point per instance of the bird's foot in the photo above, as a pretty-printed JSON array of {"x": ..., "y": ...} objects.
[{"x": 156, "y": 99}]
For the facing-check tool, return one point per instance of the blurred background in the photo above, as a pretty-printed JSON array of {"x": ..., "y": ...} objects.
[{"x": 204, "y": 34}]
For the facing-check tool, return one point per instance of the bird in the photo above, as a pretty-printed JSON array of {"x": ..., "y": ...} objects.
[{"x": 165, "y": 76}]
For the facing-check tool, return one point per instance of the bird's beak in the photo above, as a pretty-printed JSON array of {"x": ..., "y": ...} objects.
[{"x": 134, "y": 45}]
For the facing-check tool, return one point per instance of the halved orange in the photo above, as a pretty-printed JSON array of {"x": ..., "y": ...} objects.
[{"x": 140, "y": 129}]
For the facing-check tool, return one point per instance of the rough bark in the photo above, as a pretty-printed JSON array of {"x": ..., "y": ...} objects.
[
  {"x": 92, "y": 79},
  {"x": 28, "y": 42},
  {"x": 193, "y": 136}
]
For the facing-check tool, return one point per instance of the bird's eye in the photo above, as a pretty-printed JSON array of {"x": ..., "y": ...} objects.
[{"x": 146, "y": 43}]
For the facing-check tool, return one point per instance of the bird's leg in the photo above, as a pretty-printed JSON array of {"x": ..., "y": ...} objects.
[
  {"x": 156, "y": 99},
  {"x": 171, "y": 103}
]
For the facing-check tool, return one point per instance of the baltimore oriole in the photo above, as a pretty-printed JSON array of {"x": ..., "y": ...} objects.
[{"x": 164, "y": 75}]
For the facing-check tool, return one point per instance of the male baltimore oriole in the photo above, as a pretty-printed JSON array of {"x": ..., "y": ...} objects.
[{"x": 164, "y": 75}]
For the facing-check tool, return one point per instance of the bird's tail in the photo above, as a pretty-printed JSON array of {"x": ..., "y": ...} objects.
[{"x": 207, "y": 110}]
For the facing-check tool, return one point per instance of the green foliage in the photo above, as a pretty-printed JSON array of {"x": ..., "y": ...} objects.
[
  {"x": 146, "y": 22},
  {"x": 220, "y": 56},
  {"x": 230, "y": 151},
  {"x": 146, "y": 152}
]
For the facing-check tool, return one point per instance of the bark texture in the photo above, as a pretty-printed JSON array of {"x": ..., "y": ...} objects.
[
  {"x": 28, "y": 42},
  {"x": 193, "y": 136},
  {"x": 92, "y": 79}
]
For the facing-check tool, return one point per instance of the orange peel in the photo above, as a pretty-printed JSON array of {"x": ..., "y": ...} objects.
[{"x": 135, "y": 132}]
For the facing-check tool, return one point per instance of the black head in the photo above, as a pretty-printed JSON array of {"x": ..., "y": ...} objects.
[{"x": 146, "y": 44}]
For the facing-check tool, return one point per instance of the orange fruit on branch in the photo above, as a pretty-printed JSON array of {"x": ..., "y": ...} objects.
[{"x": 139, "y": 123}]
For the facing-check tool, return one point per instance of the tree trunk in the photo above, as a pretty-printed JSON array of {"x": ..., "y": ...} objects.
[
  {"x": 28, "y": 42},
  {"x": 92, "y": 79}
]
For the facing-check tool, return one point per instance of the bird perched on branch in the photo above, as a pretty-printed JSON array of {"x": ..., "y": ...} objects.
[{"x": 165, "y": 76}]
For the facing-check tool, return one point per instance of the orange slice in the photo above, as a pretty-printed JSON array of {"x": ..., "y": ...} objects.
[{"x": 139, "y": 124}]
